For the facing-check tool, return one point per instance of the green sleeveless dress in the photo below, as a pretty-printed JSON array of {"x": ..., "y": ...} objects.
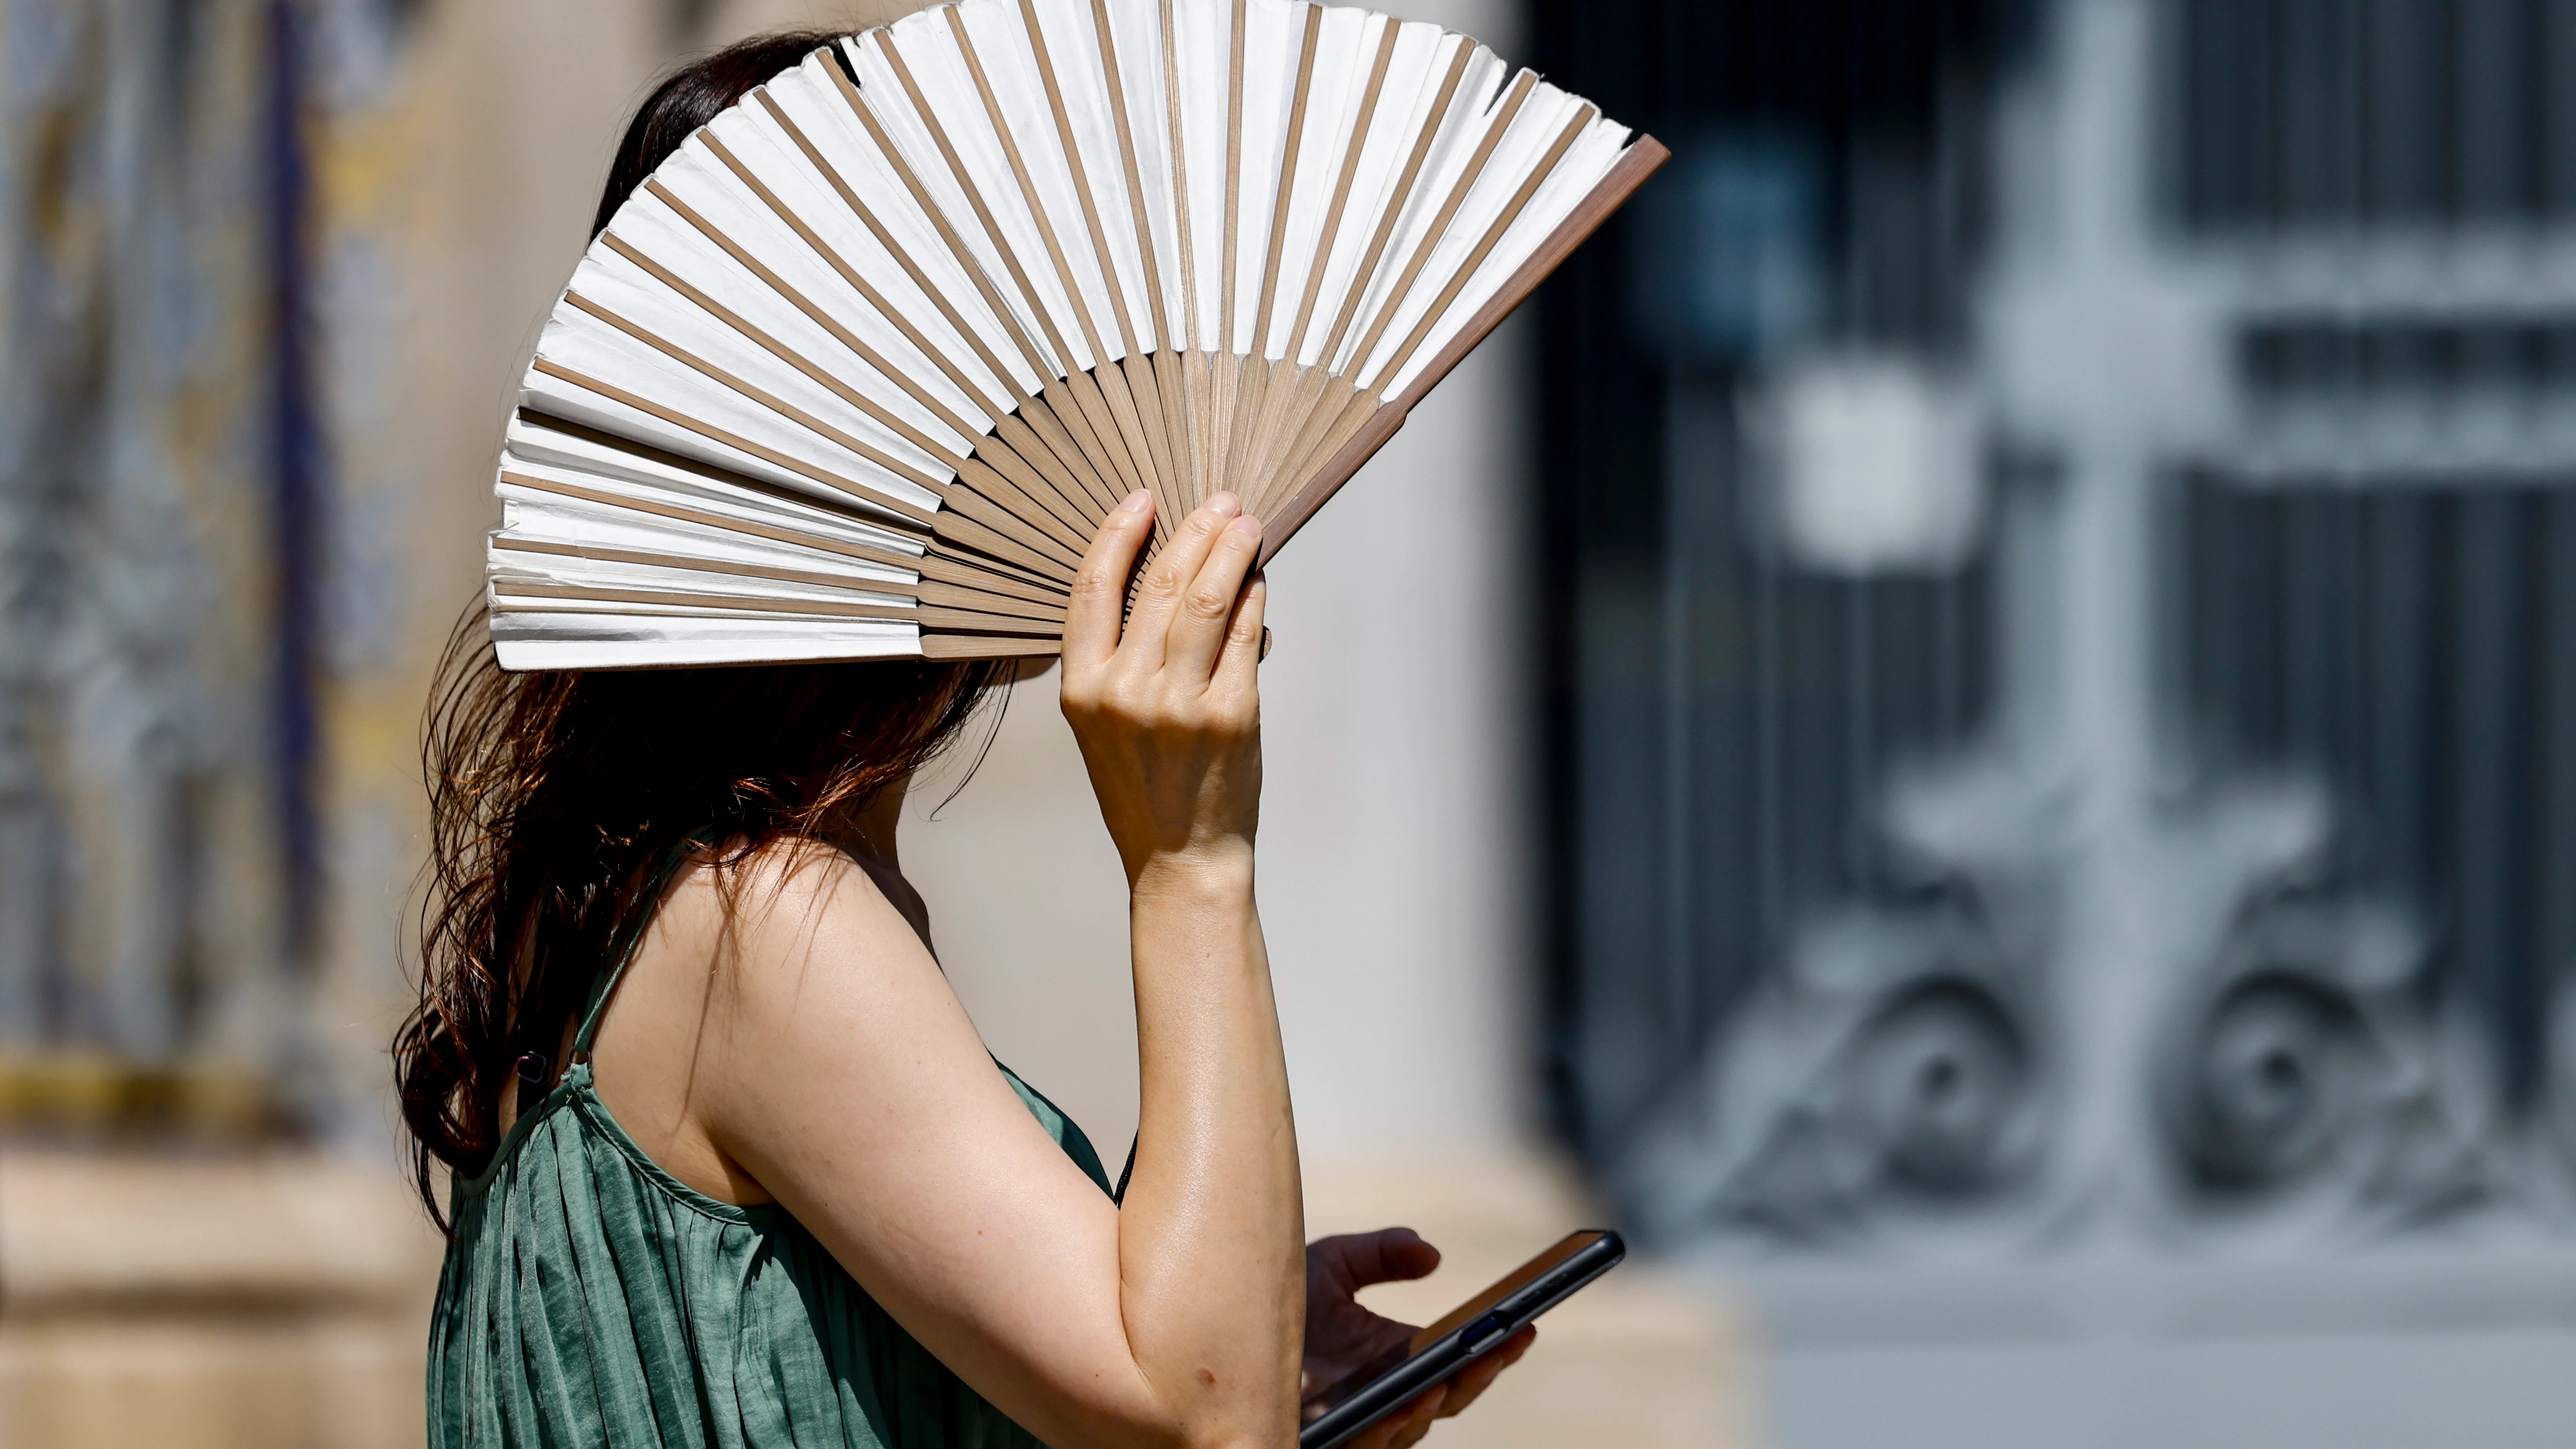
[{"x": 591, "y": 1299}]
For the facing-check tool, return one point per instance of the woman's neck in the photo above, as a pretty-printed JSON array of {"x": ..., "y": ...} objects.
[
  {"x": 867, "y": 834},
  {"x": 868, "y": 830}
]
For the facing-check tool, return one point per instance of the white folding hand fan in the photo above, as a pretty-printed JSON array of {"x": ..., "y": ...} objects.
[{"x": 859, "y": 370}]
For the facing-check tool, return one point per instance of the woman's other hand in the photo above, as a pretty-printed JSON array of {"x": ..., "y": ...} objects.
[
  {"x": 1341, "y": 1336},
  {"x": 1166, "y": 706}
]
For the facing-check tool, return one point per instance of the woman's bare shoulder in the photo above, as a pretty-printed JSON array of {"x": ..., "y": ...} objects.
[
  {"x": 771, "y": 917},
  {"x": 783, "y": 886},
  {"x": 758, "y": 965}
]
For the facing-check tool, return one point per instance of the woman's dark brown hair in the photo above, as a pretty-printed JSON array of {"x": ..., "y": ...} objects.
[{"x": 556, "y": 796}]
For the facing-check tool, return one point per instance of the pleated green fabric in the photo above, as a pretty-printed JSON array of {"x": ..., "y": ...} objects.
[{"x": 591, "y": 1299}]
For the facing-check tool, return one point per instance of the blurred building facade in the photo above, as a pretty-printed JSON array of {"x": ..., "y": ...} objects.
[
  {"x": 2007, "y": 778},
  {"x": 2060, "y": 745},
  {"x": 271, "y": 267},
  {"x": 143, "y": 797}
]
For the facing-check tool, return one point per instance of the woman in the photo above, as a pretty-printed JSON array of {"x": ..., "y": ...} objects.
[{"x": 727, "y": 1162}]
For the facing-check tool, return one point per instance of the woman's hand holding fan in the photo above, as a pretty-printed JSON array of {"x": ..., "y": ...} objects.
[{"x": 1165, "y": 704}]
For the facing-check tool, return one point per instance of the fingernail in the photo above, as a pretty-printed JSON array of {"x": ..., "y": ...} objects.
[
  {"x": 1247, "y": 525},
  {"x": 1137, "y": 502},
  {"x": 1224, "y": 503}
]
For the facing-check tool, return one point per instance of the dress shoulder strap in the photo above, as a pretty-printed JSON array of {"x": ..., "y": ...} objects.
[{"x": 628, "y": 940}]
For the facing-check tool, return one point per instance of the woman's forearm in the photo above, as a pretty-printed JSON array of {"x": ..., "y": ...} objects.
[
  {"x": 1211, "y": 1238},
  {"x": 1166, "y": 705}
]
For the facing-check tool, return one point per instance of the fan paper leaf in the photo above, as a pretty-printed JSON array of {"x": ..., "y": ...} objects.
[{"x": 858, "y": 371}]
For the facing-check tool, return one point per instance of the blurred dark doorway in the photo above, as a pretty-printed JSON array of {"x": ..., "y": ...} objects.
[{"x": 1720, "y": 710}]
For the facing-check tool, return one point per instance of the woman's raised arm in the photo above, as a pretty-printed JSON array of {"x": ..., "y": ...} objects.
[
  {"x": 1168, "y": 713},
  {"x": 828, "y": 1063}
]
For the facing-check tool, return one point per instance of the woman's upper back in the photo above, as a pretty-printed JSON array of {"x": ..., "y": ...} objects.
[{"x": 590, "y": 1297}]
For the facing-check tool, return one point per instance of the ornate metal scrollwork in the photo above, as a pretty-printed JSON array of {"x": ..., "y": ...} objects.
[
  {"x": 2267, "y": 1088},
  {"x": 1890, "y": 1071},
  {"x": 2305, "y": 1061}
]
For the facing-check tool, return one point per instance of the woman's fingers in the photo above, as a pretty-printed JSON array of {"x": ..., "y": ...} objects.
[
  {"x": 1389, "y": 1255},
  {"x": 1406, "y": 1425},
  {"x": 1100, "y": 586},
  {"x": 1419, "y": 1416},
  {"x": 1206, "y": 609},
  {"x": 1238, "y": 669},
  {"x": 1167, "y": 578},
  {"x": 1469, "y": 1383}
]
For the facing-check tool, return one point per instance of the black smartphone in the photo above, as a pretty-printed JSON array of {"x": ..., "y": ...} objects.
[{"x": 1376, "y": 1389}]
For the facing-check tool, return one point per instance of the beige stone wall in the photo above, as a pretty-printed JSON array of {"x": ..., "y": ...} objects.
[{"x": 241, "y": 1303}]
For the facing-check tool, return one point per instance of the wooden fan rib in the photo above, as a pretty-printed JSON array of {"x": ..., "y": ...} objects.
[
  {"x": 952, "y": 647},
  {"x": 1252, "y": 388},
  {"x": 1233, "y": 179},
  {"x": 855, "y": 492},
  {"x": 822, "y": 316},
  {"x": 747, "y": 603},
  {"x": 1142, "y": 425},
  {"x": 866, "y": 516},
  {"x": 1392, "y": 300},
  {"x": 1296, "y": 402},
  {"x": 1062, "y": 414},
  {"x": 938, "y": 216},
  {"x": 1319, "y": 398},
  {"x": 1081, "y": 174},
  {"x": 1397, "y": 199},
  {"x": 679, "y": 513},
  {"x": 1021, "y": 434},
  {"x": 998, "y": 489},
  {"x": 1640, "y": 161},
  {"x": 1228, "y": 378},
  {"x": 1228, "y": 375},
  {"x": 1288, "y": 159},
  {"x": 1342, "y": 190},
  {"x": 1288, "y": 397},
  {"x": 1082, "y": 413},
  {"x": 1254, "y": 404},
  {"x": 958, "y": 528},
  {"x": 1108, "y": 41},
  {"x": 892, "y": 422},
  {"x": 933, "y": 617},
  {"x": 1145, "y": 380},
  {"x": 1485, "y": 245},
  {"x": 1054, "y": 245},
  {"x": 601, "y": 553},
  {"x": 1147, "y": 389},
  {"x": 991, "y": 576},
  {"x": 1332, "y": 426},
  {"x": 953, "y": 596},
  {"x": 1198, "y": 372},
  {"x": 1283, "y": 394},
  {"x": 903, "y": 258},
  {"x": 773, "y": 402},
  {"x": 1095, "y": 457},
  {"x": 1190, "y": 434},
  {"x": 1168, "y": 381},
  {"x": 998, "y": 515},
  {"x": 1186, "y": 248},
  {"x": 983, "y": 211},
  {"x": 1054, "y": 449},
  {"x": 1028, "y": 479},
  {"x": 1129, "y": 415}
]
